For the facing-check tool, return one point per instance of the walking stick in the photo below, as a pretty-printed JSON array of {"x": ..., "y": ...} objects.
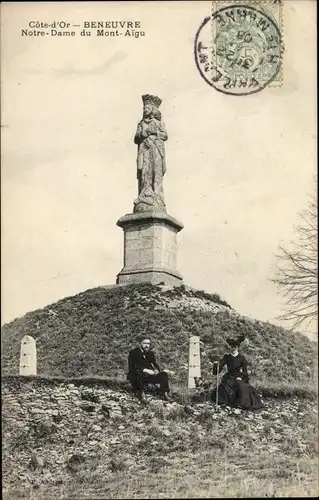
[{"x": 217, "y": 383}]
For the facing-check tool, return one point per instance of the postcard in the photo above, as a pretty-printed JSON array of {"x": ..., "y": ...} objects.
[{"x": 159, "y": 214}]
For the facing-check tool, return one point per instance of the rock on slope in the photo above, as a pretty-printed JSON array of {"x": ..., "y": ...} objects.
[{"x": 59, "y": 434}]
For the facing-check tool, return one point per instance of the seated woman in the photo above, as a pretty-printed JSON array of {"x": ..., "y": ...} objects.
[{"x": 234, "y": 389}]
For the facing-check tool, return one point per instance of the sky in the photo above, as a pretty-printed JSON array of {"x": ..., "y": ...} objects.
[{"x": 239, "y": 169}]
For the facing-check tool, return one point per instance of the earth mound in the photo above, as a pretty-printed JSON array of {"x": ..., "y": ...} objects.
[{"x": 90, "y": 334}]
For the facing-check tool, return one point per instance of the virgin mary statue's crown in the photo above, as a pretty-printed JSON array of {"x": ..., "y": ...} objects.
[{"x": 151, "y": 99}]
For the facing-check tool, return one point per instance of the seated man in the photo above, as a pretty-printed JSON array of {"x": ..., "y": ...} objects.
[{"x": 143, "y": 369}]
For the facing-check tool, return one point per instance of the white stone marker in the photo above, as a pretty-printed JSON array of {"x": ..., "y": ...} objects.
[
  {"x": 194, "y": 361},
  {"x": 28, "y": 356}
]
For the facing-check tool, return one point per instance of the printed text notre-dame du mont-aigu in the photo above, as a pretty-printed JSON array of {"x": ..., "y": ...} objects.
[{"x": 86, "y": 28}]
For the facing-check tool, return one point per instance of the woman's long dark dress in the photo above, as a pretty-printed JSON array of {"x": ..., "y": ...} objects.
[{"x": 233, "y": 392}]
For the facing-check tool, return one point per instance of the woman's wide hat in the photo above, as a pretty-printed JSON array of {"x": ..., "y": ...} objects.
[{"x": 235, "y": 342}]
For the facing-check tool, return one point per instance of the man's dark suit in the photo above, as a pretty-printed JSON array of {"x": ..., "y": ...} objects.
[{"x": 138, "y": 360}]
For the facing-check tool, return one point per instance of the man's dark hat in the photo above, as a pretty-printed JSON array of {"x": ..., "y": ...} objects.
[{"x": 235, "y": 342}]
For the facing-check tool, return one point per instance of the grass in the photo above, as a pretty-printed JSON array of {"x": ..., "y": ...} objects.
[
  {"x": 161, "y": 451},
  {"x": 210, "y": 476},
  {"x": 90, "y": 334},
  {"x": 222, "y": 483},
  {"x": 85, "y": 339}
]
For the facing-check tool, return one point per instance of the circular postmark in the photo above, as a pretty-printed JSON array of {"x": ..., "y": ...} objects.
[{"x": 238, "y": 50}]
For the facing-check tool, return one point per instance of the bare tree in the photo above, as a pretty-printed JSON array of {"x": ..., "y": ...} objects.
[{"x": 297, "y": 271}]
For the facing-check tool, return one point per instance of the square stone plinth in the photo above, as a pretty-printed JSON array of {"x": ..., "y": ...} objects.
[{"x": 150, "y": 249}]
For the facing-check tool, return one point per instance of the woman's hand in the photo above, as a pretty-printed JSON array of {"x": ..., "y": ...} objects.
[
  {"x": 238, "y": 378},
  {"x": 149, "y": 372}
]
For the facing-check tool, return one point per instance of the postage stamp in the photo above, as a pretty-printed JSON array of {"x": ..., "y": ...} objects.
[{"x": 239, "y": 48}]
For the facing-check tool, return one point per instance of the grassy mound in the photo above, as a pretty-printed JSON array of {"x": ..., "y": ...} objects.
[{"x": 91, "y": 333}]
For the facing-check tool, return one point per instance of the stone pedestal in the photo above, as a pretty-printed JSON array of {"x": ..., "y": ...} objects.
[{"x": 150, "y": 249}]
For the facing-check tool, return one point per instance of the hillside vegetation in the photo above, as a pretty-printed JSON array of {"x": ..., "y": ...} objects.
[
  {"x": 85, "y": 440},
  {"x": 91, "y": 333}
]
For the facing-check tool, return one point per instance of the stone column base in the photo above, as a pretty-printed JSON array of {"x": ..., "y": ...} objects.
[{"x": 150, "y": 249}]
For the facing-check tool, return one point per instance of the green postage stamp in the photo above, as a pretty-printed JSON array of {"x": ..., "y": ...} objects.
[{"x": 239, "y": 47}]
